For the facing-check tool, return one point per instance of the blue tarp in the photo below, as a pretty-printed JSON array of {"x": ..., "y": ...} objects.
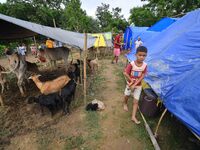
[
  {"x": 173, "y": 68},
  {"x": 162, "y": 24},
  {"x": 132, "y": 33}
]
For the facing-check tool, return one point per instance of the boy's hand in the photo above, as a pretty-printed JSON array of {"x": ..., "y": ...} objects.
[{"x": 132, "y": 87}]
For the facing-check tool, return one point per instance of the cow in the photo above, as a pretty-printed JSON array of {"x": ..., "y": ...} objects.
[
  {"x": 58, "y": 53},
  {"x": 18, "y": 66}
]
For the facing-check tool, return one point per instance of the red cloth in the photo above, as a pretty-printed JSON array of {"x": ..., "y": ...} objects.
[
  {"x": 117, "y": 40},
  {"x": 137, "y": 75}
]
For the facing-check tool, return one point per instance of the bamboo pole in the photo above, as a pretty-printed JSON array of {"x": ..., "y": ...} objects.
[
  {"x": 84, "y": 61},
  {"x": 153, "y": 140},
  {"x": 156, "y": 132}
]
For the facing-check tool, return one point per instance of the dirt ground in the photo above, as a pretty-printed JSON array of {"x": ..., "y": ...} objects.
[{"x": 22, "y": 126}]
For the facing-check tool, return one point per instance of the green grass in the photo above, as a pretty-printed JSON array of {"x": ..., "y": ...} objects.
[
  {"x": 127, "y": 128},
  {"x": 73, "y": 142}
]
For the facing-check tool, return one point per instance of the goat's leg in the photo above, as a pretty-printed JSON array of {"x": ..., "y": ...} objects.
[
  {"x": 64, "y": 106},
  {"x": 1, "y": 101},
  {"x": 42, "y": 110},
  {"x": 68, "y": 105}
]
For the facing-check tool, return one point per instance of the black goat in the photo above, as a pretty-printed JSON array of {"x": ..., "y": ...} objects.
[
  {"x": 67, "y": 94},
  {"x": 75, "y": 69},
  {"x": 52, "y": 101}
]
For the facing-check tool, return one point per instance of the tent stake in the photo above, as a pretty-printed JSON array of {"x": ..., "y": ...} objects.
[
  {"x": 153, "y": 140},
  {"x": 156, "y": 132}
]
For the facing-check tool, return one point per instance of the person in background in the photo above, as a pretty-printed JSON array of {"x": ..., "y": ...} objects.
[
  {"x": 25, "y": 49},
  {"x": 138, "y": 43},
  {"x": 33, "y": 49},
  {"x": 21, "y": 51},
  {"x": 117, "y": 46},
  {"x": 135, "y": 73}
]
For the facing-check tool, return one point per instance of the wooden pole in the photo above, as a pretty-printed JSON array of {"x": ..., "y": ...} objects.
[
  {"x": 153, "y": 140},
  {"x": 84, "y": 62},
  {"x": 156, "y": 132},
  {"x": 54, "y": 23}
]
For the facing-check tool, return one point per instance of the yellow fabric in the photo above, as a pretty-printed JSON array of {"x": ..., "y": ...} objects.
[
  {"x": 100, "y": 41},
  {"x": 49, "y": 43}
]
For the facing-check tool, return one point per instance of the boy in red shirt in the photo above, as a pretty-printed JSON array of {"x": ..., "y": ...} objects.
[
  {"x": 117, "y": 46},
  {"x": 135, "y": 72}
]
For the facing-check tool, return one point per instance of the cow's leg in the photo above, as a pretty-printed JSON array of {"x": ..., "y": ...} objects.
[
  {"x": 2, "y": 88},
  {"x": 20, "y": 83}
]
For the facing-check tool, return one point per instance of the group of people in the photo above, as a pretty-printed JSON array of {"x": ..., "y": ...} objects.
[{"x": 134, "y": 73}]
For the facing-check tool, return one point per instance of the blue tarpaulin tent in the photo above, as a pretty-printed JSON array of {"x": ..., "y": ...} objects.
[
  {"x": 162, "y": 24},
  {"x": 132, "y": 33},
  {"x": 173, "y": 68}
]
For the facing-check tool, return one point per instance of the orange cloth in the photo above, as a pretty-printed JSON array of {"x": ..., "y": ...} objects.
[{"x": 49, "y": 43}]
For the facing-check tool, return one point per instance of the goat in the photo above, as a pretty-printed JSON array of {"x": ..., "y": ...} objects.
[
  {"x": 58, "y": 53},
  {"x": 18, "y": 66},
  {"x": 52, "y": 101},
  {"x": 52, "y": 86},
  {"x": 75, "y": 68},
  {"x": 93, "y": 64},
  {"x": 67, "y": 94},
  {"x": 3, "y": 79}
]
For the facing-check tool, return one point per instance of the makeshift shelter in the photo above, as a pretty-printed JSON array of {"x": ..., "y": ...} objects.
[
  {"x": 145, "y": 33},
  {"x": 130, "y": 34},
  {"x": 12, "y": 28},
  {"x": 173, "y": 69}
]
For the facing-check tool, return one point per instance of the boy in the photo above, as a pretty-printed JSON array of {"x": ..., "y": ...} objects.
[
  {"x": 117, "y": 46},
  {"x": 135, "y": 72}
]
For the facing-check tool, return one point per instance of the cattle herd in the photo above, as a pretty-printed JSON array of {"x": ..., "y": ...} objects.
[{"x": 54, "y": 94}]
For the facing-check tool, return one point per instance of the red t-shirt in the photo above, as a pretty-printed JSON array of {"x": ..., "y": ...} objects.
[
  {"x": 117, "y": 40},
  {"x": 136, "y": 72}
]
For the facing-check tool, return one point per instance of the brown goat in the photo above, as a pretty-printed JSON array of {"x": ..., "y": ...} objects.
[
  {"x": 52, "y": 86},
  {"x": 93, "y": 65}
]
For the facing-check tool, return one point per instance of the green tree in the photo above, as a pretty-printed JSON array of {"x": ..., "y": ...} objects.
[
  {"x": 154, "y": 10},
  {"x": 110, "y": 20},
  {"x": 75, "y": 18},
  {"x": 141, "y": 16}
]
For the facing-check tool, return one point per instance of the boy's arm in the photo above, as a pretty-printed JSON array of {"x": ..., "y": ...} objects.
[
  {"x": 139, "y": 80},
  {"x": 127, "y": 72},
  {"x": 127, "y": 75}
]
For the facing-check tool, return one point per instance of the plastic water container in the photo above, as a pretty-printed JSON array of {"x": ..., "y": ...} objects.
[{"x": 148, "y": 103}]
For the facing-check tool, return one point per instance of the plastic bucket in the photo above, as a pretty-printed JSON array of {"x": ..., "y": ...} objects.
[{"x": 148, "y": 103}]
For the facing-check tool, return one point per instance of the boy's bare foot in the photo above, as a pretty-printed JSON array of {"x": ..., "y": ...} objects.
[
  {"x": 135, "y": 121},
  {"x": 125, "y": 107}
]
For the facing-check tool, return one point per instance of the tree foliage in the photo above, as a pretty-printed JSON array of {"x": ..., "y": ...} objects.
[
  {"x": 157, "y": 9},
  {"x": 109, "y": 20},
  {"x": 68, "y": 14}
]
